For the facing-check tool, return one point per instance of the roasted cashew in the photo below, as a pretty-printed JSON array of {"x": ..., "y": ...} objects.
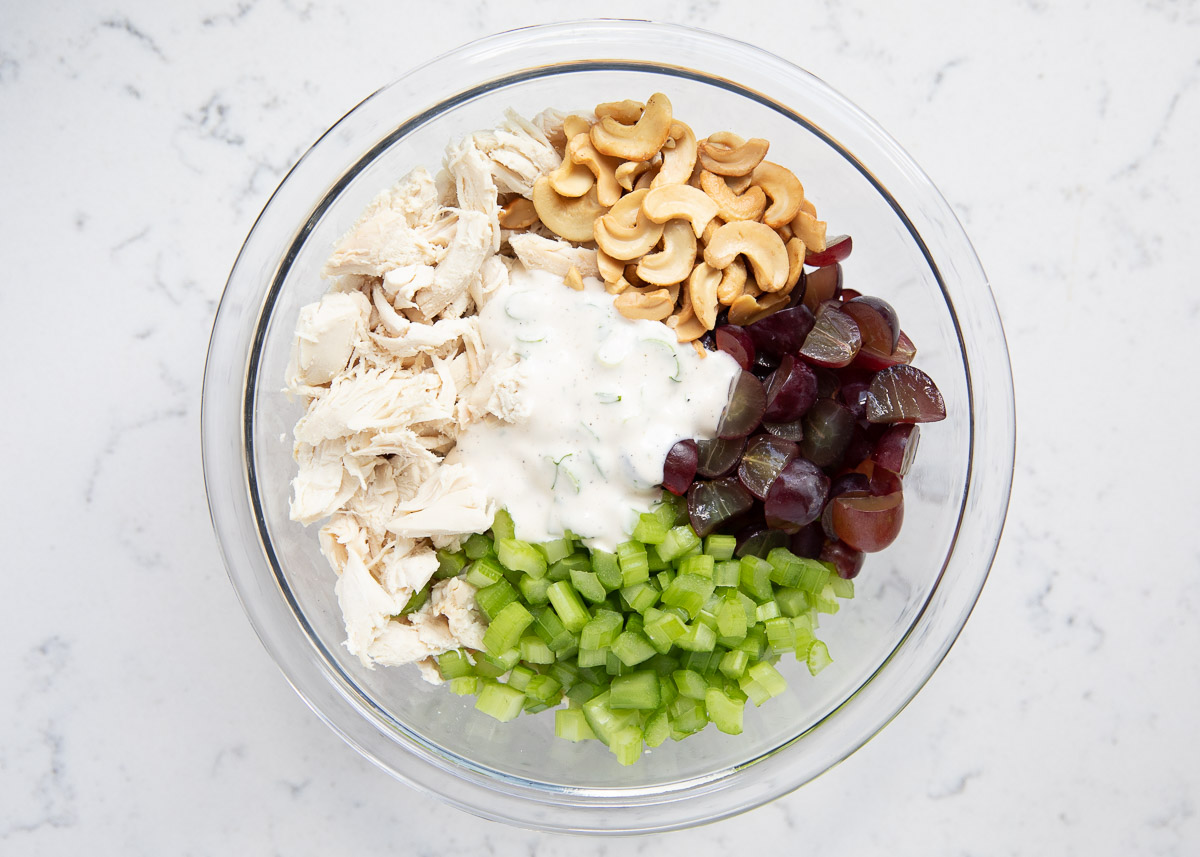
[
  {"x": 758, "y": 243},
  {"x": 655, "y": 305},
  {"x": 674, "y": 201},
  {"x": 572, "y": 219},
  {"x": 518, "y": 213},
  {"x": 728, "y": 154},
  {"x": 581, "y": 152},
  {"x": 747, "y": 206},
  {"x": 674, "y": 262},
  {"x": 784, "y": 190},
  {"x": 679, "y": 161},
  {"x": 702, "y": 289},
  {"x": 639, "y": 142}
]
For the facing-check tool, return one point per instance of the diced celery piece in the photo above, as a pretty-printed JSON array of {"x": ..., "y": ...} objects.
[
  {"x": 785, "y": 566},
  {"x": 755, "y": 643},
  {"x": 754, "y": 690},
  {"x": 592, "y": 657},
  {"x": 627, "y": 744},
  {"x": 701, "y": 662},
  {"x": 781, "y": 637},
  {"x": 818, "y": 657},
  {"x": 588, "y": 585},
  {"x": 663, "y": 630},
  {"x": 708, "y": 617},
  {"x": 571, "y": 725},
  {"x": 492, "y": 599},
  {"x": 417, "y": 600},
  {"x": 723, "y": 711},
  {"x": 543, "y": 688},
  {"x": 635, "y": 567},
  {"x": 734, "y": 663},
  {"x": 687, "y": 715},
  {"x": 517, "y": 555},
  {"x": 601, "y": 631},
  {"x": 802, "y": 626},
  {"x": 769, "y": 677},
  {"x": 477, "y": 546},
  {"x": 638, "y": 690},
  {"x": 567, "y": 605},
  {"x": 689, "y": 591},
  {"x": 664, "y": 665},
  {"x": 826, "y": 601},
  {"x": 664, "y": 578},
  {"x": 657, "y": 729},
  {"x": 731, "y": 619},
  {"x": 566, "y": 673},
  {"x": 502, "y": 526},
  {"x": 606, "y": 722},
  {"x": 720, "y": 547},
  {"x": 671, "y": 509},
  {"x": 680, "y": 540},
  {"x": 582, "y": 692},
  {"x": 500, "y": 701},
  {"x": 698, "y": 638},
  {"x": 792, "y": 602},
  {"x": 534, "y": 650},
  {"x": 766, "y": 610},
  {"x": 465, "y": 685},
  {"x": 690, "y": 683},
  {"x": 484, "y": 572},
  {"x": 553, "y": 632},
  {"x": 613, "y": 665},
  {"x": 655, "y": 562},
  {"x": 814, "y": 576},
  {"x": 640, "y": 596},
  {"x": 700, "y": 564},
  {"x": 488, "y": 667},
  {"x": 842, "y": 587},
  {"x": 635, "y": 622},
  {"x": 519, "y": 677},
  {"x": 632, "y": 648},
  {"x": 607, "y": 568},
  {"x": 450, "y": 564},
  {"x": 756, "y": 577},
  {"x": 727, "y": 572},
  {"x": 650, "y": 529},
  {"x": 454, "y": 663},
  {"x": 533, "y": 589},
  {"x": 532, "y": 706},
  {"x": 667, "y": 689},
  {"x": 506, "y": 628},
  {"x": 557, "y": 549}
]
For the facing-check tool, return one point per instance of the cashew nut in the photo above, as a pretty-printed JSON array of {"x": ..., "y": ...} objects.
[
  {"x": 581, "y": 152},
  {"x": 646, "y": 180},
  {"x": 784, "y": 190},
  {"x": 611, "y": 269},
  {"x": 808, "y": 206},
  {"x": 758, "y": 243},
  {"x": 679, "y": 161},
  {"x": 685, "y": 324},
  {"x": 629, "y": 171},
  {"x": 680, "y": 201},
  {"x": 571, "y": 179},
  {"x": 574, "y": 279},
  {"x": 638, "y": 142},
  {"x": 574, "y": 125},
  {"x": 747, "y": 310},
  {"x": 702, "y": 289},
  {"x": 739, "y": 184},
  {"x": 729, "y": 155},
  {"x": 810, "y": 230},
  {"x": 733, "y": 282},
  {"x": 674, "y": 262},
  {"x": 795, "y": 253},
  {"x": 655, "y": 305},
  {"x": 747, "y": 206},
  {"x": 626, "y": 112},
  {"x": 518, "y": 213},
  {"x": 572, "y": 219},
  {"x": 625, "y": 232}
]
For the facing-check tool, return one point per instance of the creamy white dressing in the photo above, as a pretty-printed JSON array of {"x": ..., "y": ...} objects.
[{"x": 606, "y": 398}]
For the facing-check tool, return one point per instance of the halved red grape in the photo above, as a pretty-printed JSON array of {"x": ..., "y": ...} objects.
[
  {"x": 868, "y": 523},
  {"x": 850, "y": 294},
  {"x": 791, "y": 390},
  {"x": 828, "y": 382},
  {"x": 718, "y": 457},
  {"x": 845, "y": 559},
  {"x": 736, "y": 342},
  {"x": 782, "y": 332},
  {"x": 836, "y": 250},
  {"x": 746, "y": 405},
  {"x": 897, "y": 447},
  {"x": 869, "y": 358},
  {"x": 760, "y": 541},
  {"x": 834, "y": 339},
  {"x": 881, "y": 480},
  {"x": 788, "y": 431},
  {"x": 764, "y": 365},
  {"x": 824, "y": 284},
  {"x": 807, "y": 541},
  {"x": 853, "y": 482},
  {"x": 797, "y": 495},
  {"x": 877, "y": 321},
  {"x": 765, "y": 456},
  {"x": 710, "y": 504},
  {"x": 679, "y": 470},
  {"x": 828, "y": 427},
  {"x": 904, "y": 394},
  {"x": 853, "y": 395}
]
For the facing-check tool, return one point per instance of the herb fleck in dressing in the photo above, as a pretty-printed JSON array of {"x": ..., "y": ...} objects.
[{"x": 607, "y": 397}]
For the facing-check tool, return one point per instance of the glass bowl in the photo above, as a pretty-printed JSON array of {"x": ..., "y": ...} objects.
[{"x": 912, "y": 600}]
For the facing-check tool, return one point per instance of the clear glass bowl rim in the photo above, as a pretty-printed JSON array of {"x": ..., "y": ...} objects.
[{"x": 726, "y": 792}]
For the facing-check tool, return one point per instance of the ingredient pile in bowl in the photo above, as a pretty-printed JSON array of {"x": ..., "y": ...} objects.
[{"x": 595, "y": 427}]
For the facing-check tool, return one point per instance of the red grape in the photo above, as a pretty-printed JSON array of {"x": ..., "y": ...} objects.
[
  {"x": 897, "y": 447},
  {"x": 782, "y": 332},
  {"x": 736, "y": 342},
  {"x": 680, "y": 467},
  {"x": 745, "y": 410},
  {"x": 834, "y": 339},
  {"x": 759, "y": 541},
  {"x": 876, "y": 320},
  {"x": 836, "y": 250},
  {"x": 828, "y": 427},
  {"x": 904, "y": 394},
  {"x": 808, "y": 541},
  {"x": 797, "y": 495},
  {"x": 823, "y": 284},
  {"x": 868, "y": 523},
  {"x": 845, "y": 559},
  {"x": 710, "y": 504},
  {"x": 788, "y": 431},
  {"x": 869, "y": 358},
  {"x": 765, "y": 456},
  {"x": 791, "y": 390},
  {"x": 717, "y": 457}
]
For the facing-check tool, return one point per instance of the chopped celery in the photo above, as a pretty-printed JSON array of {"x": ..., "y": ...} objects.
[
  {"x": 731, "y": 619},
  {"x": 607, "y": 568},
  {"x": 635, "y": 567},
  {"x": 690, "y": 683},
  {"x": 632, "y": 648},
  {"x": 534, "y": 589},
  {"x": 769, "y": 677},
  {"x": 727, "y": 573},
  {"x": 500, "y": 701},
  {"x": 454, "y": 664},
  {"x": 818, "y": 657},
  {"x": 663, "y": 630},
  {"x": 688, "y": 591},
  {"x": 543, "y": 688},
  {"x": 639, "y": 597},
  {"x": 506, "y": 628},
  {"x": 826, "y": 601},
  {"x": 658, "y": 728},
  {"x": 700, "y": 564},
  {"x": 842, "y": 587},
  {"x": 734, "y": 663},
  {"x": 484, "y": 572},
  {"x": 588, "y": 585},
  {"x": 814, "y": 576},
  {"x": 591, "y": 657},
  {"x": 477, "y": 546},
  {"x": 792, "y": 602},
  {"x": 720, "y": 547},
  {"x": 417, "y": 600},
  {"x": 557, "y": 549},
  {"x": 781, "y": 636},
  {"x": 450, "y": 564},
  {"x": 465, "y": 685},
  {"x": 519, "y": 677},
  {"x": 678, "y": 542},
  {"x": 601, "y": 631},
  {"x": 553, "y": 632},
  {"x": 570, "y": 724},
  {"x": 627, "y": 744},
  {"x": 765, "y": 611},
  {"x": 567, "y": 605},
  {"x": 698, "y": 638},
  {"x": 756, "y": 577},
  {"x": 650, "y": 529},
  {"x": 492, "y": 599},
  {"x": 724, "y": 711},
  {"x": 502, "y": 526},
  {"x": 517, "y": 555},
  {"x": 534, "y": 650},
  {"x": 638, "y": 690}
]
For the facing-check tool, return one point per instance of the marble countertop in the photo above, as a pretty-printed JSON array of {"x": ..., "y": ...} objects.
[{"x": 140, "y": 715}]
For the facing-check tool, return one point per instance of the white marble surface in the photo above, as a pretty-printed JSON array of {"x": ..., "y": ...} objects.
[{"x": 138, "y": 140}]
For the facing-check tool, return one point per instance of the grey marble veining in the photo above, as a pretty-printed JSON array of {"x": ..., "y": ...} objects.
[{"x": 141, "y": 716}]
